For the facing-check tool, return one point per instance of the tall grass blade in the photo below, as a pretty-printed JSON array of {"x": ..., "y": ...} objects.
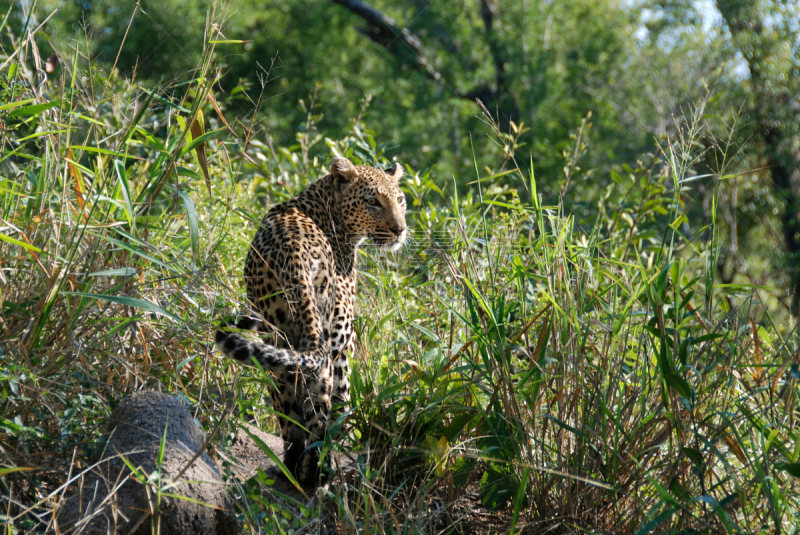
[
  {"x": 130, "y": 302},
  {"x": 191, "y": 216},
  {"x": 125, "y": 188}
]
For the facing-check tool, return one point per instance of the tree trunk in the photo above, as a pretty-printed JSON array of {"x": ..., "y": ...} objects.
[{"x": 746, "y": 24}]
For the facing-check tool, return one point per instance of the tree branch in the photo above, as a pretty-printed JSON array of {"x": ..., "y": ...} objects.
[
  {"x": 384, "y": 30},
  {"x": 407, "y": 47}
]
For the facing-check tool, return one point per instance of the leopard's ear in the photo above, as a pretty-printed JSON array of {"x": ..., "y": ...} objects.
[
  {"x": 395, "y": 172},
  {"x": 343, "y": 171}
]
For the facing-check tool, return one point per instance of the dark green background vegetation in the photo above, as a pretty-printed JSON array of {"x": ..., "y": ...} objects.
[{"x": 636, "y": 66}]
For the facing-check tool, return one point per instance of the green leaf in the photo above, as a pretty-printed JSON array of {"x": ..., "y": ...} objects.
[
  {"x": 694, "y": 455},
  {"x": 39, "y": 134},
  {"x": 652, "y": 327},
  {"x": 5, "y": 19},
  {"x": 162, "y": 447},
  {"x": 166, "y": 102},
  {"x": 679, "y": 384},
  {"x": 439, "y": 450},
  {"x": 683, "y": 350},
  {"x": 183, "y": 171},
  {"x": 501, "y": 204},
  {"x": 793, "y": 469},
  {"x": 650, "y": 526},
  {"x": 429, "y": 334},
  {"x": 200, "y": 140},
  {"x": 663, "y": 358},
  {"x": 498, "y": 487},
  {"x": 678, "y": 491},
  {"x": 129, "y": 301},
  {"x": 456, "y": 425},
  {"x": 462, "y": 471},
  {"x": 191, "y": 216},
  {"x": 383, "y": 369},
  {"x": 727, "y": 521},
  {"x": 24, "y": 245},
  {"x": 184, "y": 362},
  {"x": 118, "y": 272},
  {"x": 36, "y": 109},
  {"x": 625, "y": 315},
  {"x": 706, "y": 338},
  {"x": 95, "y": 150},
  {"x": 746, "y": 288},
  {"x": 566, "y": 426},
  {"x": 665, "y": 494},
  {"x": 686, "y": 299},
  {"x": 119, "y": 167},
  {"x": 136, "y": 471},
  {"x": 12, "y": 105},
  {"x": 661, "y": 285},
  {"x": 153, "y": 143},
  {"x": 271, "y": 454},
  {"x": 135, "y": 251},
  {"x": 4, "y": 471},
  {"x": 520, "y": 500},
  {"x": 492, "y": 177},
  {"x": 188, "y": 499}
]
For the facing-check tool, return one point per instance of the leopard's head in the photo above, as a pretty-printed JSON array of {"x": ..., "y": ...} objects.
[{"x": 370, "y": 203}]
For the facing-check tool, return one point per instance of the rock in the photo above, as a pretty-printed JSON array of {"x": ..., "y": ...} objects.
[
  {"x": 248, "y": 457},
  {"x": 109, "y": 499}
]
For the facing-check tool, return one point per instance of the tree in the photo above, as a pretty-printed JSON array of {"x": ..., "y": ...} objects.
[
  {"x": 542, "y": 63},
  {"x": 408, "y": 48},
  {"x": 546, "y": 64},
  {"x": 764, "y": 33}
]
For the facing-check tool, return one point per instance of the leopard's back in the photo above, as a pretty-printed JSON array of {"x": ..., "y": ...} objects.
[{"x": 301, "y": 279}]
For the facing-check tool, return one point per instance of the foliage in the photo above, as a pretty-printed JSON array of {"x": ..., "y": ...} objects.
[
  {"x": 542, "y": 63},
  {"x": 568, "y": 356},
  {"x": 636, "y": 66}
]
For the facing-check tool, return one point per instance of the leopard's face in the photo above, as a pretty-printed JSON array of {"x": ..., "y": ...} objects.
[{"x": 370, "y": 204}]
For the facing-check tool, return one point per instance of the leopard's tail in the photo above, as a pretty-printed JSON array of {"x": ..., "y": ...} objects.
[{"x": 237, "y": 347}]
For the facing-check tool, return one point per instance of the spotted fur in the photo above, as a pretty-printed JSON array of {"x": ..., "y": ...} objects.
[{"x": 301, "y": 277}]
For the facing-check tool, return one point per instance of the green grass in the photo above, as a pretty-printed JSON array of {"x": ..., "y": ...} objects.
[{"x": 589, "y": 378}]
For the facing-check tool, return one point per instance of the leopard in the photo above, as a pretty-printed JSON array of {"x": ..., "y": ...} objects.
[{"x": 300, "y": 275}]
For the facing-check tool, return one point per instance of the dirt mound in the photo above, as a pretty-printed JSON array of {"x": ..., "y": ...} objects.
[{"x": 110, "y": 499}]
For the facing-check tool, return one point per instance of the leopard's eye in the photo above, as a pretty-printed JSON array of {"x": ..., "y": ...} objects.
[
  {"x": 372, "y": 201},
  {"x": 401, "y": 199}
]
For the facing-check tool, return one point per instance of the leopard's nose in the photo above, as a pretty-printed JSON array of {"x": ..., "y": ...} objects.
[{"x": 397, "y": 230}]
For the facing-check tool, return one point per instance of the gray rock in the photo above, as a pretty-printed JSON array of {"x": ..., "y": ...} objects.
[
  {"x": 248, "y": 457},
  {"x": 109, "y": 499}
]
